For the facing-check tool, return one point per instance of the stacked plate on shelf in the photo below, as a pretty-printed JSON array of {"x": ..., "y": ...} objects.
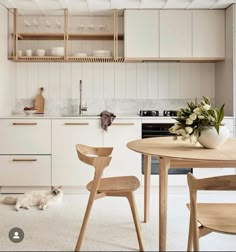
[
  {"x": 80, "y": 54},
  {"x": 101, "y": 53}
]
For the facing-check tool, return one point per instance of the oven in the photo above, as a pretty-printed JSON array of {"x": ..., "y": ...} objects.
[{"x": 159, "y": 130}]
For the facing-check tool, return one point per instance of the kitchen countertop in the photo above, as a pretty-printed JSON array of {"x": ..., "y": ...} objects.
[{"x": 74, "y": 116}]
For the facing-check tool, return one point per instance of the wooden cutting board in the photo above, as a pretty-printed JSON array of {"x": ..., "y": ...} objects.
[{"x": 39, "y": 102}]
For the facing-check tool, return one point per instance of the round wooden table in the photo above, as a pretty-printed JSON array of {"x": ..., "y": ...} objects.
[{"x": 176, "y": 154}]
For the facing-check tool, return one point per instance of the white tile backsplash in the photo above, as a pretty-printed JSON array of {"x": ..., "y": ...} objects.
[{"x": 119, "y": 87}]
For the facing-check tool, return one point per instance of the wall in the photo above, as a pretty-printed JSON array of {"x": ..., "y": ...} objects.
[
  {"x": 7, "y": 68},
  {"x": 224, "y": 69},
  {"x": 120, "y": 87}
]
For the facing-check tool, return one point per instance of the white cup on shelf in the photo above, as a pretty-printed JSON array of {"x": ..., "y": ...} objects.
[
  {"x": 28, "y": 52},
  {"x": 20, "y": 53}
]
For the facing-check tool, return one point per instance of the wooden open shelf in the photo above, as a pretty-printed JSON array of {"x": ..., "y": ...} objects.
[
  {"x": 98, "y": 36},
  {"x": 66, "y": 36},
  {"x": 40, "y": 36},
  {"x": 71, "y": 36},
  {"x": 62, "y": 59}
]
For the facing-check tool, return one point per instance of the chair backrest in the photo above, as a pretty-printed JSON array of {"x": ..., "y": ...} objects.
[
  {"x": 226, "y": 183},
  {"x": 98, "y": 157},
  {"x": 213, "y": 183}
]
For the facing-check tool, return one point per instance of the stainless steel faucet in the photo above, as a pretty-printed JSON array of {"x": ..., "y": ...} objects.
[{"x": 81, "y": 107}]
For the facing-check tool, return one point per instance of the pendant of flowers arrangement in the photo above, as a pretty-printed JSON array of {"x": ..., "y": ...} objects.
[{"x": 195, "y": 117}]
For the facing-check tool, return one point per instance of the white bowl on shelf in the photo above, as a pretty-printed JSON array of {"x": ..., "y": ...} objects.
[
  {"x": 40, "y": 52},
  {"x": 102, "y": 53},
  {"x": 57, "y": 51},
  {"x": 28, "y": 52}
]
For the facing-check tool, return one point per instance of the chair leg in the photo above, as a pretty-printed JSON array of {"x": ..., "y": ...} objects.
[
  {"x": 190, "y": 236},
  {"x": 84, "y": 224},
  {"x": 195, "y": 235},
  {"x": 131, "y": 199}
]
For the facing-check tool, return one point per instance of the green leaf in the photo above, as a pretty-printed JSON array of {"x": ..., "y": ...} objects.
[
  {"x": 221, "y": 113},
  {"x": 217, "y": 127}
]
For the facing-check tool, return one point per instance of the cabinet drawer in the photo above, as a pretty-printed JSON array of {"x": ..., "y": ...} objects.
[
  {"x": 25, "y": 170},
  {"x": 26, "y": 136}
]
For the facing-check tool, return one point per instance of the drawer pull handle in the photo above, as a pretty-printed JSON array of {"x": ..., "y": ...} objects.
[
  {"x": 24, "y": 123},
  {"x": 76, "y": 123},
  {"x": 24, "y": 160},
  {"x": 122, "y": 123}
]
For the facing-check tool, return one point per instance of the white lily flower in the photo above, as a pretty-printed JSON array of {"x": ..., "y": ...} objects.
[
  {"x": 189, "y": 121},
  {"x": 197, "y": 111},
  {"x": 193, "y": 139},
  {"x": 201, "y": 117},
  {"x": 206, "y": 106},
  {"x": 189, "y": 130},
  {"x": 193, "y": 116}
]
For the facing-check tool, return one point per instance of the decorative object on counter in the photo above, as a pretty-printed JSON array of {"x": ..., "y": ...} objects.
[
  {"x": 200, "y": 122},
  {"x": 39, "y": 102},
  {"x": 106, "y": 119},
  {"x": 29, "y": 111}
]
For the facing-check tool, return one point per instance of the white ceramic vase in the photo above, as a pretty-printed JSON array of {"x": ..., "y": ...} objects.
[{"x": 211, "y": 139}]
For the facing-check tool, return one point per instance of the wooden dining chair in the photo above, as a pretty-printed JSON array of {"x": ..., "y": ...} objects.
[
  {"x": 212, "y": 217},
  {"x": 99, "y": 158}
]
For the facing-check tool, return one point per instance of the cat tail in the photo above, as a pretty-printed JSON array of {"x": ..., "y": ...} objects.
[{"x": 9, "y": 200}]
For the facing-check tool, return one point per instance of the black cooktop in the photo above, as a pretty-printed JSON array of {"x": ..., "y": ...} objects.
[{"x": 156, "y": 113}]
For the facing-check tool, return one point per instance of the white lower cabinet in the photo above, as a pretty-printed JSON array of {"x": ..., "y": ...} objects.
[
  {"x": 25, "y": 170},
  {"x": 124, "y": 161},
  {"x": 67, "y": 169},
  {"x": 25, "y": 152},
  {"x": 25, "y": 136}
]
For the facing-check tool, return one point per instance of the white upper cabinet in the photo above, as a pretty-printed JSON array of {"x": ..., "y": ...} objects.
[
  {"x": 175, "y": 33},
  {"x": 141, "y": 34},
  {"x": 209, "y": 33}
]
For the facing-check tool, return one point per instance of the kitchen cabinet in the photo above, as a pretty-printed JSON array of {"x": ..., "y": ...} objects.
[
  {"x": 67, "y": 169},
  {"x": 25, "y": 152},
  {"x": 27, "y": 170},
  {"x": 25, "y": 136},
  {"x": 141, "y": 34},
  {"x": 175, "y": 33},
  {"x": 124, "y": 161},
  {"x": 186, "y": 35},
  {"x": 209, "y": 33}
]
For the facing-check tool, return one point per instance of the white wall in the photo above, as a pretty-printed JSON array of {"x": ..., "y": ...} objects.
[
  {"x": 224, "y": 69},
  {"x": 7, "y": 68},
  {"x": 116, "y": 80}
]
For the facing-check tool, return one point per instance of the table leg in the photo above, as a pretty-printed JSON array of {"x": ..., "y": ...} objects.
[
  {"x": 163, "y": 189},
  {"x": 147, "y": 174}
]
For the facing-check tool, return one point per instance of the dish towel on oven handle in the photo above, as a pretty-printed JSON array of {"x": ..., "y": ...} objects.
[{"x": 106, "y": 119}]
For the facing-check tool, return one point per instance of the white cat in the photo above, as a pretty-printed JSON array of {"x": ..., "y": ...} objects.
[{"x": 42, "y": 199}]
